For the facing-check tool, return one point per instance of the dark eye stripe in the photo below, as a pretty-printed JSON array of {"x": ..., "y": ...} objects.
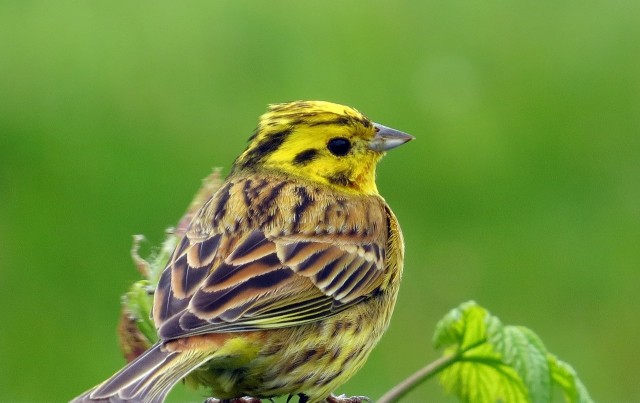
[
  {"x": 305, "y": 157},
  {"x": 272, "y": 142},
  {"x": 266, "y": 146}
]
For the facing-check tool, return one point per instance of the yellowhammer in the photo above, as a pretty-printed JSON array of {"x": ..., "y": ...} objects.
[{"x": 287, "y": 276}]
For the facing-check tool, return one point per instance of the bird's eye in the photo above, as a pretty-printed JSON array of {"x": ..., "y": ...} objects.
[{"x": 339, "y": 146}]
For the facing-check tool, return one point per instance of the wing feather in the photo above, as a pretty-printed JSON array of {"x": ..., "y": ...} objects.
[
  {"x": 236, "y": 278},
  {"x": 264, "y": 283}
]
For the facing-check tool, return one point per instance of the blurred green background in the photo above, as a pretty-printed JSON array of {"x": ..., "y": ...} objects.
[{"x": 522, "y": 190}]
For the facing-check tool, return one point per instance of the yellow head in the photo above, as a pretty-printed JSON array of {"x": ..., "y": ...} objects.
[{"x": 331, "y": 144}]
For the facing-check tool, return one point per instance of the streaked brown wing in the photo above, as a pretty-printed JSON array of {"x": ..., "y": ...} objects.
[{"x": 250, "y": 281}]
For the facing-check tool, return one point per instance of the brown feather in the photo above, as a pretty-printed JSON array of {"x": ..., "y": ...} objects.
[{"x": 259, "y": 266}]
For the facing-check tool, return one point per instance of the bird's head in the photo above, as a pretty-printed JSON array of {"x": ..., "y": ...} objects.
[{"x": 331, "y": 144}]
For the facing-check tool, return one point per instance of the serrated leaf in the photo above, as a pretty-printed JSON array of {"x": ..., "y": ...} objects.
[
  {"x": 491, "y": 362},
  {"x": 480, "y": 376},
  {"x": 495, "y": 362},
  {"x": 523, "y": 351},
  {"x": 462, "y": 327},
  {"x": 565, "y": 376}
]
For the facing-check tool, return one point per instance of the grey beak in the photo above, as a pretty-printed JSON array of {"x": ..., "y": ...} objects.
[{"x": 387, "y": 138}]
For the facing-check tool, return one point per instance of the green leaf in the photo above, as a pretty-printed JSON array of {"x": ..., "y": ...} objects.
[
  {"x": 493, "y": 362},
  {"x": 565, "y": 377},
  {"x": 480, "y": 376},
  {"x": 462, "y": 327},
  {"x": 137, "y": 303},
  {"x": 479, "y": 373},
  {"x": 523, "y": 351}
]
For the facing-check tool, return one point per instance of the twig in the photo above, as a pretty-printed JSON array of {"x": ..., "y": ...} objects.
[{"x": 414, "y": 380}]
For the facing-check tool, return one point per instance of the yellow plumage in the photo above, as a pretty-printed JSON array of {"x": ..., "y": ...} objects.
[{"x": 287, "y": 277}]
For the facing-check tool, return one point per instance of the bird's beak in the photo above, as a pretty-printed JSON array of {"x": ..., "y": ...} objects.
[{"x": 387, "y": 138}]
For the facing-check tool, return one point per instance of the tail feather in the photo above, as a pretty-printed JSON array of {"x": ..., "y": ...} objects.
[{"x": 148, "y": 378}]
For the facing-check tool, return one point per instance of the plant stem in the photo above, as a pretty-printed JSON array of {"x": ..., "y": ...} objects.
[{"x": 414, "y": 380}]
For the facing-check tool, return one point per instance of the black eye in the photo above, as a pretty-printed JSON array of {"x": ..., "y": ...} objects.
[{"x": 339, "y": 146}]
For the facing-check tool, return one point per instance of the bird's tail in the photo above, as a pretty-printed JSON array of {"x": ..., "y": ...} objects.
[{"x": 147, "y": 379}]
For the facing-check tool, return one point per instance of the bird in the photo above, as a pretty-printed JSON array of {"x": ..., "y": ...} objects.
[{"x": 287, "y": 276}]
